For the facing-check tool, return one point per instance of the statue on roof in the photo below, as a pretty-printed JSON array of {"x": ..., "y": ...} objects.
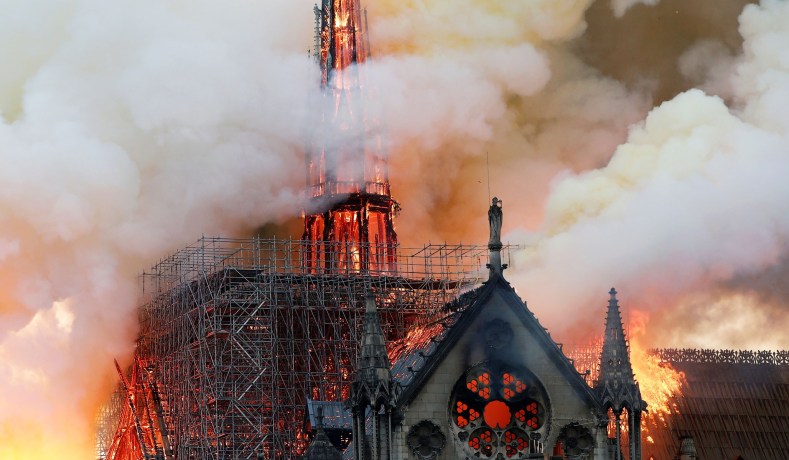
[{"x": 495, "y": 220}]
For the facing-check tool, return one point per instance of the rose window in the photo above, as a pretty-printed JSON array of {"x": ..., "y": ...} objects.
[{"x": 495, "y": 410}]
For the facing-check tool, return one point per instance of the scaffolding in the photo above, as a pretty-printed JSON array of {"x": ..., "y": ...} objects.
[{"x": 236, "y": 334}]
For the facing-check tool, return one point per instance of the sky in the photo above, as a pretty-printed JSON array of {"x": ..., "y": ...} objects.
[{"x": 635, "y": 144}]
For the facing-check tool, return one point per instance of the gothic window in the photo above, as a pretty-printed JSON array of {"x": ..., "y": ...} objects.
[
  {"x": 425, "y": 440},
  {"x": 496, "y": 410}
]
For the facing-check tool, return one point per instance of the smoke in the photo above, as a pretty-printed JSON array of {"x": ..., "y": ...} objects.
[
  {"x": 691, "y": 206},
  {"x": 689, "y": 201},
  {"x": 477, "y": 85},
  {"x": 132, "y": 128},
  {"x": 128, "y": 129}
]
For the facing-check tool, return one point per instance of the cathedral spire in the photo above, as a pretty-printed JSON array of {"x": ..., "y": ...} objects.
[
  {"x": 615, "y": 367},
  {"x": 616, "y": 385}
]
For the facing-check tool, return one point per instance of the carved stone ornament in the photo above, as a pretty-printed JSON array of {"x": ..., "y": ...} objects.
[
  {"x": 498, "y": 334},
  {"x": 425, "y": 440},
  {"x": 577, "y": 439}
]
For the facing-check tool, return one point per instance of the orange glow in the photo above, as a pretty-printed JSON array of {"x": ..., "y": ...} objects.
[{"x": 497, "y": 414}]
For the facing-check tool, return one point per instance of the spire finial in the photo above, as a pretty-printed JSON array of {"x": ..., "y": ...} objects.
[{"x": 613, "y": 294}]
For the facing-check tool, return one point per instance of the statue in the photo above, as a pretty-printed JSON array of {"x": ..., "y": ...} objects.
[{"x": 495, "y": 219}]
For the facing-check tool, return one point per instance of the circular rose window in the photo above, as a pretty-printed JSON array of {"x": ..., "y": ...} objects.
[{"x": 495, "y": 408}]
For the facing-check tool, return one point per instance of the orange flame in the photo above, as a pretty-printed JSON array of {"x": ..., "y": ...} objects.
[{"x": 658, "y": 381}]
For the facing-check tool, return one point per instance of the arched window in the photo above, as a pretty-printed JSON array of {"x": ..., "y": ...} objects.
[{"x": 498, "y": 409}]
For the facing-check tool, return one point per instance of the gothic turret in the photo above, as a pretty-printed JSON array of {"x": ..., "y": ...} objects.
[
  {"x": 372, "y": 392},
  {"x": 374, "y": 368},
  {"x": 616, "y": 385}
]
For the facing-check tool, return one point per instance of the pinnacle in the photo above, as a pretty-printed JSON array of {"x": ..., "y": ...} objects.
[{"x": 615, "y": 368}]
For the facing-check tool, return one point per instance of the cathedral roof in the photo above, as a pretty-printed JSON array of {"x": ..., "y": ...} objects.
[
  {"x": 732, "y": 403},
  {"x": 409, "y": 355}
]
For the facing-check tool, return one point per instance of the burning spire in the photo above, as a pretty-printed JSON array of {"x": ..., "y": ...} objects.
[{"x": 357, "y": 232}]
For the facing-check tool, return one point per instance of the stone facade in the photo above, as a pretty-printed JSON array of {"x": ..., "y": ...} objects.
[
  {"x": 567, "y": 398},
  {"x": 487, "y": 381}
]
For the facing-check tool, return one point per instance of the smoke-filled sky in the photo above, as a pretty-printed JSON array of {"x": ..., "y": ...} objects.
[{"x": 641, "y": 144}]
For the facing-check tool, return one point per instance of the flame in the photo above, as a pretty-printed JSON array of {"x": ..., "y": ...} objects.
[
  {"x": 417, "y": 337},
  {"x": 658, "y": 381}
]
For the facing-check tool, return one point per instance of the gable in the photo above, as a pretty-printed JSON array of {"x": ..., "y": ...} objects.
[
  {"x": 465, "y": 337},
  {"x": 492, "y": 366}
]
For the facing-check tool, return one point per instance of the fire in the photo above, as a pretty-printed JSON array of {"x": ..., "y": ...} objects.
[
  {"x": 417, "y": 337},
  {"x": 658, "y": 381}
]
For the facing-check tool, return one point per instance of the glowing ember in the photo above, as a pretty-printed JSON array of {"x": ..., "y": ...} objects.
[{"x": 417, "y": 337}]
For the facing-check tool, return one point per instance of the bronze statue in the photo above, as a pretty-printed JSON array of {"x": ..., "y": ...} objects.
[{"x": 495, "y": 220}]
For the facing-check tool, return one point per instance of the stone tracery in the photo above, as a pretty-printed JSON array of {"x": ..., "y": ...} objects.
[{"x": 496, "y": 410}]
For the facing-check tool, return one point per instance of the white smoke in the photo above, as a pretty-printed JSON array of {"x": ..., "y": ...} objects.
[
  {"x": 695, "y": 198},
  {"x": 128, "y": 129}
]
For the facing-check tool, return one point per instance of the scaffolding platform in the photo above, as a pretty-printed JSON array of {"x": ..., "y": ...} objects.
[{"x": 237, "y": 334}]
